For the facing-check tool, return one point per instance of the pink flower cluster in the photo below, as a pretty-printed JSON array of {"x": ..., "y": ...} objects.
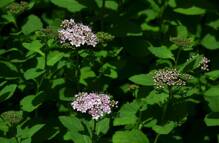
[
  {"x": 76, "y": 34},
  {"x": 96, "y": 105}
]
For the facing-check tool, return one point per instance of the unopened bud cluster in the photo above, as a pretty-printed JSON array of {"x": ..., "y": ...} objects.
[
  {"x": 76, "y": 34},
  {"x": 181, "y": 41},
  {"x": 169, "y": 77},
  {"x": 104, "y": 38},
  {"x": 94, "y": 104},
  {"x": 13, "y": 117},
  {"x": 16, "y": 8},
  {"x": 204, "y": 64}
]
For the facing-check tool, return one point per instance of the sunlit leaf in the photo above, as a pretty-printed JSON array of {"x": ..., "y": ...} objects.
[
  {"x": 133, "y": 136},
  {"x": 127, "y": 114},
  {"x": 7, "y": 92},
  {"x": 210, "y": 42},
  {"x": 156, "y": 98},
  {"x": 212, "y": 96},
  {"x": 213, "y": 75},
  {"x": 33, "y": 73},
  {"x": 212, "y": 119},
  {"x": 71, "y": 123},
  {"x": 33, "y": 24},
  {"x": 54, "y": 57},
  {"x": 102, "y": 126},
  {"x": 190, "y": 11},
  {"x": 142, "y": 79},
  {"x": 28, "y": 104},
  {"x": 4, "y": 3},
  {"x": 214, "y": 24},
  {"x": 165, "y": 129},
  {"x": 161, "y": 52},
  {"x": 70, "y": 5},
  {"x": 34, "y": 47},
  {"x": 77, "y": 137},
  {"x": 86, "y": 72}
]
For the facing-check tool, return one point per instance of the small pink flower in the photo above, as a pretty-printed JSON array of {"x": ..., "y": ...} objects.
[{"x": 204, "y": 64}]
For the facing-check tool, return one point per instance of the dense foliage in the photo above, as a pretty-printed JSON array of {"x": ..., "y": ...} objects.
[{"x": 157, "y": 58}]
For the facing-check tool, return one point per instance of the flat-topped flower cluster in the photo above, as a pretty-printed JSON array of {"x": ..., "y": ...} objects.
[
  {"x": 96, "y": 105},
  {"x": 169, "y": 77},
  {"x": 76, "y": 34}
]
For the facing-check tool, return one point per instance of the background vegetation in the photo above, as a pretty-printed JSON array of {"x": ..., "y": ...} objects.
[{"x": 39, "y": 77}]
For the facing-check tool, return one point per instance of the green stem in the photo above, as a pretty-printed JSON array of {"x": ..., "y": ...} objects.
[
  {"x": 177, "y": 56},
  {"x": 17, "y": 139},
  {"x": 102, "y": 14},
  {"x": 156, "y": 138},
  {"x": 44, "y": 76},
  {"x": 160, "y": 18},
  {"x": 170, "y": 98},
  {"x": 77, "y": 72},
  {"x": 94, "y": 132}
]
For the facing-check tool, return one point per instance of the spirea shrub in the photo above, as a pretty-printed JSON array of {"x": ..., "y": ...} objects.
[{"x": 154, "y": 64}]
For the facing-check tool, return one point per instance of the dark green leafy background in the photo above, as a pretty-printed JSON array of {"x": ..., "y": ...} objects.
[{"x": 39, "y": 77}]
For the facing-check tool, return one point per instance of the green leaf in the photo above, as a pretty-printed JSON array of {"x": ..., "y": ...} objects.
[
  {"x": 212, "y": 96},
  {"x": 214, "y": 24},
  {"x": 33, "y": 73},
  {"x": 3, "y": 126},
  {"x": 111, "y": 5},
  {"x": 27, "y": 140},
  {"x": 133, "y": 136},
  {"x": 34, "y": 47},
  {"x": 210, "y": 42},
  {"x": 6, "y": 140},
  {"x": 71, "y": 123},
  {"x": 57, "y": 82},
  {"x": 191, "y": 64},
  {"x": 127, "y": 114},
  {"x": 182, "y": 31},
  {"x": 213, "y": 75},
  {"x": 190, "y": 11},
  {"x": 77, "y": 137},
  {"x": 161, "y": 52},
  {"x": 172, "y": 3},
  {"x": 150, "y": 13},
  {"x": 154, "y": 5},
  {"x": 70, "y": 5},
  {"x": 102, "y": 126},
  {"x": 54, "y": 57},
  {"x": 156, "y": 97},
  {"x": 10, "y": 18},
  {"x": 33, "y": 24},
  {"x": 40, "y": 63},
  {"x": 35, "y": 129},
  {"x": 28, "y": 132},
  {"x": 29, "y": 103},
  {"x": 8, "y": 70},
  {"x": 212, "y": 119},
  {"x": 109, "y": 70},
  {"x": 4, "y": 3},
  {"x": 86, "y": 73},
  {"x": 165, "y": 129},
  {"x": 142, "y": 79},
  {"x": 7, "y": 91}
]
